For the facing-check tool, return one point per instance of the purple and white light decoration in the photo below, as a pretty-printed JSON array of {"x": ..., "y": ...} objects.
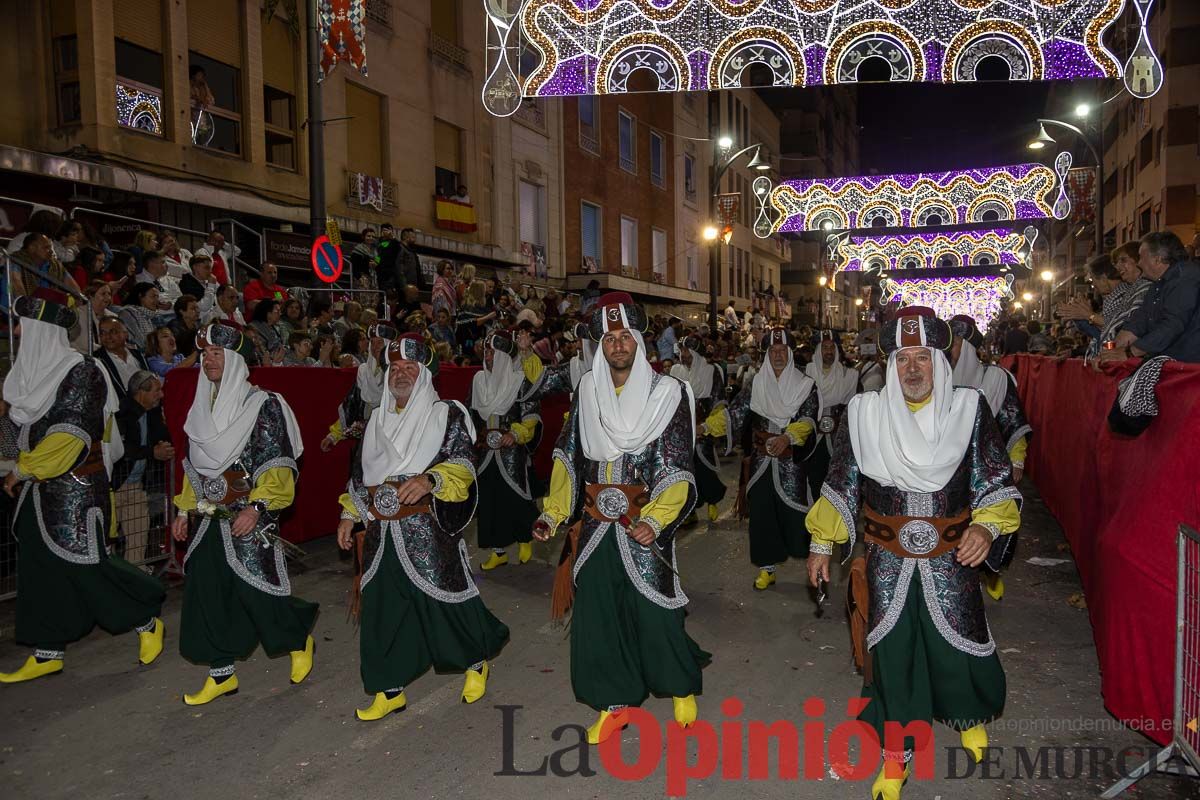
[
  {"x": 904, "y": 251},
  {"x": 978, "y": 297},
  {"x": 995, "y": 194},
  {"x": 540, "y": 48}
]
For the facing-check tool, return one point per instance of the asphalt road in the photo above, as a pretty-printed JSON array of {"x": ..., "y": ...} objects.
[{"x": 107, "y": 728}]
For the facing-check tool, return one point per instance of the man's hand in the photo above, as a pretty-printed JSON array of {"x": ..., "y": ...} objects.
[
  {"x": 10, "y": 483},
  {"x": 643, "y": 534},
  {"x": 974, "y": 547},
  {"x": 414, "y": 489},
  {"x": 508, "y": 440},
  {"x": 1125, "y": 338},
  {"x": 1018, "y": 473},
  {"x": 818, "y": 568},
  {"x": 344, "y": 529},
  {"x": 777, "y": 444},
  {"x": 524, "y": 341},
  {"x": 164, "y": 451},
  {"x": 179, "y": 527},
  {"x": 327, "y": 443},
  {"x": 1106, "y": 356},
  {"x": 541, "y": 531},
  {"x": 245, "y": 521}
]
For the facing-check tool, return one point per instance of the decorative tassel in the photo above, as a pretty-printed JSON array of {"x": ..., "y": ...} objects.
[{"x": 563, "y": 595}]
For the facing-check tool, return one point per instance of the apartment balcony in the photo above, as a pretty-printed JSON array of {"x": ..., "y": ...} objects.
[
  {"x": 370, "y": 192},
  {"x": 447, "y": 53}
]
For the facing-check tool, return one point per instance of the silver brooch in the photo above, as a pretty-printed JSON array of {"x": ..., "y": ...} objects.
[
  {"x": 493, "y": 439},
  {"x": 216, "y": 489},
  {"x": 387, "y": 500},
  {"x": 919, "y": 537},
  {"x": 826, "y": 425},
  {"x": 612, "y": 502}
]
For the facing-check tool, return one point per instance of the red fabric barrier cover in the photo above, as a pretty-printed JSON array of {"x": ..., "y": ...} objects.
[
  {"x": 1120, "y": 501},
  {"x": 314, "y": 395}
]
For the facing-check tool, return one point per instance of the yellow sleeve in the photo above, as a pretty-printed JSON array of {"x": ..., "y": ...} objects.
[
  {"x": 53, "y": 456},
  {"x": 335, "y": 430},
  {"x": 533, "y": 368},
  {"x": 348, "y": 506},
  {"x": 523, "y": 431},
  {"x": 717, "y": 422},
  {"x": 1017, "y": 454},
  {"x": 186, "y": 499},
  {"x": 277, "y": 486},
  {"x": 665, "y": 508},
  {"x": 456, "y": 482},
  {"x": 1005, "y": 515},
  {"x": 826, "y": 524},
  {"x": 557, "y": 505},
  {"x": 799, "y": 431}
]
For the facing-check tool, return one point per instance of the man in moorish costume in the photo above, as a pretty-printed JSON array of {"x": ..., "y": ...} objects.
[
  {"x": 239, "y": 476},
  {"x": 836, "y": 384},
  {"x": 365, "y": 394},
  {"x": 623, "y": 467},
  {"x": 67, "y": 582},
  {"x": 773, "y": 417},
  {"x": 1000, "y": 389},
  {"x": 565, "y": 376},
  {"x": 505, "y": 405},
  {"x": 924, "y": 462},
  {"x": 415, "y": 490},
  {"x": 708, "y": 387}
]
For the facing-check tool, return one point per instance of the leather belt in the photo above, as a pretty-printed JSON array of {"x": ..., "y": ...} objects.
[
  {"x": 384, "y": 502},
  {"x": 608, "y": 502},
  {"x": 915, "y": 537},
  {"x": 93, "y": 463},
  {"x": 760, "y": 444}
]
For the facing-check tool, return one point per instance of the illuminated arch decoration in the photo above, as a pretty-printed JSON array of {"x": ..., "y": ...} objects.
[
  {"x": 880, "y": 215},
  {"x": 979, "y": 298},
  {"x": 932, "y": 212},
  {"x": 711, "y": 44},
  {"x": 658, "y": 54},
  {"x": 1003, "y": 246},
  {"x": 1020, "y": 191},
  {"x": 139, "y": 110}
]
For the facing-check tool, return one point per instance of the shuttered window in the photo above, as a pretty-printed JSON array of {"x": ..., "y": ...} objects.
[
  {"x": 629, "y": 243},
  {"x": 279, "y": 52},
  {"x": 215, "y": 29},
  {"x": 589, "y": 225},
  {"x": 364, "y": 133},
  {"x": 533, "y": 213},
  {"x": 447, "y": 158},
  {"x": 139, "y": 22},
  {"x": 658, "y": 243}
]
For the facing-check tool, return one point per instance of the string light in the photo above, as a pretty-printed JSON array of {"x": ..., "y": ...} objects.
[
  {"x": 570, "y": 47},
  {"x": 928, "y": 250},
  {"x": 139, "y": 109},
  {"x": 979, "y": 298},
  {"x": 1020, "y": 191}
]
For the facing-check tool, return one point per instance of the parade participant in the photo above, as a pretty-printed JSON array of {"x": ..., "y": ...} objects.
[
  {"x": 1000, "y": 389},
  {"x": 925, "y": 463},
  {"x": 773, "y": 417},
  {"x": 623, "y": 468},
  {"x": 836, "y": 384},
  {"x": 365, "y": 394},
  {"x": 565, "y": 376},
  {"x": 708, "y": 388},
  {"x": 238, "y": 476},
  {"x": 68, "y": 583},
  {"x": 415, "y": 490},
  {"x": 505, "y": 403}
]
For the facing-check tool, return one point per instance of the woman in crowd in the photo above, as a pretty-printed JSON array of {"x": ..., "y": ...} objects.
[
  {"x": 444, "y": 296},
  {"x": 292, "y": 320},
  {"x": 144, "y": 242},
  {"x": 67, "y": 242},
  {"x": 99, "y": 299},
  {"x": 123, "y": 268},
  {"x": 139, "y": 312},
  {"x": 354, "y": 345},
  {"x": 162, "y": 355},
  {"x": 266, "y": 323},
  {"x": 299, "y": 352},
  {"x": 186, "y": 323},
  {"x": 1119, "y": 282}
]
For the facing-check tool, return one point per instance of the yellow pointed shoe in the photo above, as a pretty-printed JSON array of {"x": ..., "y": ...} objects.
[
  {"x": 975, "y": 741},
  {"x": 713, "y": 512},
  {"x": 497, "y": 560},
  {"x": 211, "y": 691},
  {"x": 150, "y": 643},
  {"x": 608, "y": 723},
  {"x": 381, "y": 706},
  {"x": 994, "y": 585},
  {"x": 885, "y": 788},
  {"x": 764, "y": 579},
  {"x": 685, "y": 710},
  {"x": 32, "y": 668},
  {"x": 475, "y": 684},
  {"x": 524, "y": 552},
  {"x": 302, "y": 660}
]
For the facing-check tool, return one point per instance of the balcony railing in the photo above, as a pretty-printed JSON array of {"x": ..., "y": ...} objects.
[
  {"x": 139, "y": 107},
  {"x": 449, "y": 52},
  {"x": 532, "y": 112},
  {"x": 588, "y": 140},
  {"x": 369, "y": 191},
  {"x": 380, "y": 12}
]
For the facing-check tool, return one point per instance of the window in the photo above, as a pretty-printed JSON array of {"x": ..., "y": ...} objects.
[
  {"x": 214, "y": 60},
  {"x": 629, "y": 244},
  {"x": 658, "y": 251},
  {"x": 219, "y": 125},
  {"x": 588, "y": 140},
  {"x": 628, "y": 138},
  {"x": 590, "y": 228},
  {"x": 693, "y": 268},
  {"x": 443, "y": 19},
  {"x": 533, "y": 213},
  {"x": 279, "y": 92},
  {"x": 689, "y": 178},
  {"x": 447, "y": 151},
  {"x": 66, "y": 79},
  {"x": 139, "y": 88},
  {"x": 364, "y": 131},
  {"x": 1146, "y": 150},
  {"x": 656, "y": 159}
]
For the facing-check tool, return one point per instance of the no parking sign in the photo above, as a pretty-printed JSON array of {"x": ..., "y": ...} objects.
[{"x": 326, "y": 259}]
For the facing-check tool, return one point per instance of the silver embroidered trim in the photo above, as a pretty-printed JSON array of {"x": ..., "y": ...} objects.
[
  {"x": 359, "y": 500},
  {"x": 625, "y": 545},
  {"x": 892, "y": 615},
  {"x": 436, "y": 480},
  {"x": 425, "y": 586},
  {"x": 843, "y": 509},
  {"x": 378, "y": 559},
  {"x": 549, "y": 521},
  {"x": 1024, "y": 430},
  {"x": 670, "y": 480},
  {"x": 221, "y": 672},
  {"x": 462, "y": 462},
  {"x": 194, "y": 478},
  {"x": 23, "y": 438},
  {"x": 196, "y": 539},
  {"x": 700, "y": 456},
  {"x": 533, "y": 387},
  {"x": 148, "y": 627},
  {"x": 477, "y": 666},
  {"x": 952, "y": 637},
  {"x": 918, "y": 504},
  {"x": 787, "y": 499},
  {"x": 991, "y": 528},
  {"x": 560, "y": 457},
  {"x": 285, "y": 584},
  {"x": 758, "y": 473},
  {"x": 93, "y": 520},
  {"x": 999, "y": 496},
  {"x": 820, "y": 548},
  {"x": 523, "y": 493},
  {"x": 76, "y": 431},
  {"x": 49, "y": 655},
  {"x": 654, "y": 525},
  {"x": 592, "y": 543},
  {"x": 281, "y": 461}
]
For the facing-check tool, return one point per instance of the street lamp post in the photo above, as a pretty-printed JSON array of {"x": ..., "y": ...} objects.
[
  {"x": 724, "y": 144},
  {"x": 1044, "y": 138}
]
